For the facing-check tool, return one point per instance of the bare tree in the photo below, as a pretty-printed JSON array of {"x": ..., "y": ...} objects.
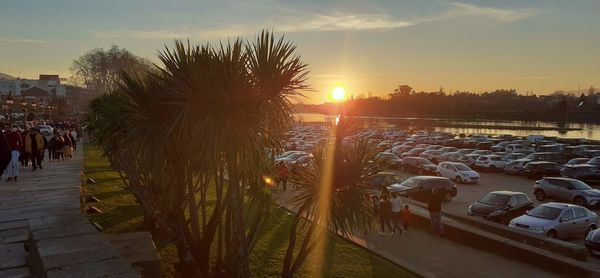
[{"x": 98, "y": 69}]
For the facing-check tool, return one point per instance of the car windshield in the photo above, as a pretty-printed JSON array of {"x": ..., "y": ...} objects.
[
  {"x": 412, "y": 182},
  {"x": 579, "y": 185},
  {"x": 494, "y": 199},
  {"x": 546, "y": 212},
  {"x": 595, "y": 160},
  {"x": 461, "y": 167}
]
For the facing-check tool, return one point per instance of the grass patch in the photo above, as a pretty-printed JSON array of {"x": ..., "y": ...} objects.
[{"x": 121, "y": 214}]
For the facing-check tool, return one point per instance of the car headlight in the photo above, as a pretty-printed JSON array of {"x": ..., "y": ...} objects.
[{"x": 538, "y": 228}]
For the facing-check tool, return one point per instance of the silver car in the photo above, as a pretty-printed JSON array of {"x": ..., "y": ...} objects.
[
  {"x": 567, "y": 190},
  {"x": 557, "y": 220}
]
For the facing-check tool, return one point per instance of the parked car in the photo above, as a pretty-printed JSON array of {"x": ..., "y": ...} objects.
[
  {"x": 514, "y": 156},
  {"x": 429, "y": 154},
  {"x": 420, "y": 187},
  {"x": 516, "y": 148},
  {"x": 547, "y": 156},
  {"x": 592, "y": 241},
  {"x": 384, "y": 179},
  {"x": 501, "y": 206},
  {"x": 418, "y": 165},
  {"x": 566, "y": 190},
  {"x": 482, "y": 152},
  {"x": 583, "y": 172},
  {"x": 557, "y": 220},
  {"x": 595, "y": 161},
  {"x": 591, "y": 153},
  {"x": 539, "y": 169},
  {"x": 515, "y": 167},
  {"x": 577, "y": 161},
  {"x": 442, "y": 151},
  {"x": 389, "y": 160},
  {"x": 469, "y": 159},
  {"x": 412, "y": 152},
  {"x": 551, "y": 148},
  {"x": 434, "y": 147},
  {"x": 490, "y": 162},
  {"x": 499, "y": 147},
  {"x": 458, "y": 172}
]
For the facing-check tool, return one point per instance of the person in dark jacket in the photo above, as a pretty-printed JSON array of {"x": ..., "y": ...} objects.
[
  {"x": 385, "y": 213},
  {"x": 15, "y": 143},
  {"x": 435, "y": 212},
  {"x": 52, "y": 148},
  {"x": 5, "y": 153},
  {"x": 58, "y": 147},
  {"x": 24, "y": 157}
]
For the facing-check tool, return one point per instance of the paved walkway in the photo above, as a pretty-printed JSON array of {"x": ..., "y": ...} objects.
[
  {"x": 432, "y": 256},
  {"x": 40, "y": 220}
]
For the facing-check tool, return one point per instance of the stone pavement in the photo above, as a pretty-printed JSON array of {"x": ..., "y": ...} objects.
[
  {"x": 430, "y": 256},
  {"x": 43, "y": 233}
]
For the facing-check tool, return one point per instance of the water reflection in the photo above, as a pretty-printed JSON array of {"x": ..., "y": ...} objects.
[{"x": 519, "y": 128}]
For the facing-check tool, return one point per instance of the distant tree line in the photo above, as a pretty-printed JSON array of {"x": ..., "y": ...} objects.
[{"x": 498, "y": 104}]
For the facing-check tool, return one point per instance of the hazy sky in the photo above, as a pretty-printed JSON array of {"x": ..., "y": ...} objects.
[{"x": 529, "y": 45}]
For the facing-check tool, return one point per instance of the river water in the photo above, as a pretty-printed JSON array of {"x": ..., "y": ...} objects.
[{"x": 487, "y": 127}]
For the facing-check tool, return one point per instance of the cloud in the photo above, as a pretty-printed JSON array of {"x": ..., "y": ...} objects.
[
  {"x": 344, "y": 22},
  {"x": 304, "y": 21},
  {"x": 20, "y": 40},
  {"x": 506, "y": 15}
]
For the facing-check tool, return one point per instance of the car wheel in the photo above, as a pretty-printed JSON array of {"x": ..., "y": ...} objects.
[
  {"x": 589, "y": 229},
  {"x": 447, "y": 197},
  {"x": 580, "y": 201},
  {"x": 539, "y": 195},
  {"x": 458, "y": 179},
  {"x": 551, "y": 233}
]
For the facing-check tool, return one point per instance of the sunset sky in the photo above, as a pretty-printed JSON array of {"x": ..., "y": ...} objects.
[{"x": 529, "y": 45}]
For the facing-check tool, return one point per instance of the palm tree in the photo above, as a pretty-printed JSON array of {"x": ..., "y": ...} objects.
[
  {"x": 330, "y": 195},
  {"x": 204, "y": 122}
]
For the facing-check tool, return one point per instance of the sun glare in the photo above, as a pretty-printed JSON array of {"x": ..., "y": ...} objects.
[{"x": 338, "y": 93}]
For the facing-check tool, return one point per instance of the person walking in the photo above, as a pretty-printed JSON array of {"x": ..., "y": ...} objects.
[
  {"x": 397, "y": 205},
  {"x": 385, "y": 214},
  {"x": 15, "y": 143},
  {"x": 34, "y": 144},
  {"x": 406, "y": 217},
  {"x": 24, "y": 157},
  {"x": 284, "y": 172},
  {"x": 68, "y": 146},
  {"x": 5, "y": 153},
  {"x": 435, "y": 212},
  {"x": 72, "y": 138},
  {"x": 52, "y": 147},
  {"x": 59, "y": 147}
]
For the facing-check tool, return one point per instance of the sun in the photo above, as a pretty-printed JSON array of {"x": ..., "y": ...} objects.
[{"x": 338, "y": 93}]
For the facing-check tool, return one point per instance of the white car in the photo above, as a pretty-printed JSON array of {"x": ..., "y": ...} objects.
[
  {"x": 458, "y": 172},
  {"x": 514, "y": 156},
  {"x": 490, "y": 162}
]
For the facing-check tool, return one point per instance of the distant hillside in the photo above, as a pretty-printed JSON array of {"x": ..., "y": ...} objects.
[{"x": 5, "y": 76}]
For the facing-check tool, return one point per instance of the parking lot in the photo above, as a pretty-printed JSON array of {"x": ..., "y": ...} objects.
[{"x": 469, "y": 193}]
